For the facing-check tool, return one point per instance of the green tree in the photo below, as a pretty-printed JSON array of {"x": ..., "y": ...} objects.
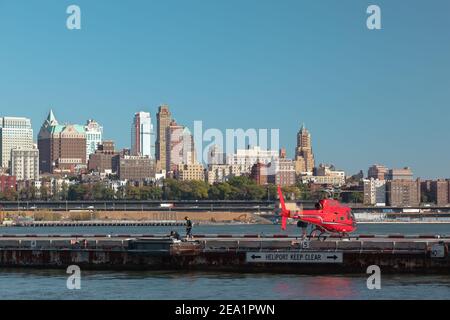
[
  {"x": 63, "y": 194},
  {"x": 171, "y": 190},
  {"x": 199, "y": 190},
  {"x": 292, "y": 192},
  {"x": 305, "y": 192},
  {"x": 108, "y": 193},
  {"x": 220, "y": 191},
  {"x": 132, "y": 193},
  {"x": 44, "y": 192},
  {"x": 78, "y": 192},
  {"x": 10, "y": 194},
  {"x": 356, "y": 197},
  {"x": 97, "y": 191}
]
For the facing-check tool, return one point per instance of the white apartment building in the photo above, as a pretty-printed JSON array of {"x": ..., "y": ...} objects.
[
  {"x": 246, "y": 158},
  {"x": 94, "y": 137},
  {"x": 189, "y": 172},
  {"x": 333, "y": 180},
  {"x": 15, "y": 132},
  {"x": 218, "y": 173},
  {"x": 325, "y": 174},
  {"x": 374, "y": 192},
  {"x": 25, "y": 164}
]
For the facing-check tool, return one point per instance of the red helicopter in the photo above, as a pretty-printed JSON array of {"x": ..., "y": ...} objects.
[{"x": 330, "y": 217}]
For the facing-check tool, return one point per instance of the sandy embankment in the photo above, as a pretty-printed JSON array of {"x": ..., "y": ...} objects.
[{"x": 210, "y": 217}]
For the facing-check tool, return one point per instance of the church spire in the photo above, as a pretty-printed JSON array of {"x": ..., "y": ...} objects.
[
  {"x": 303, "y": 128},
  {"x": 51, "y": 119}
]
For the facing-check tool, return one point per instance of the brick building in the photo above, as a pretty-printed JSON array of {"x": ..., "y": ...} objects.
[
  {"x": 436, "y": 191},
  {"x": 136, "y": 168},
  {"x": 282, "y": 172},
  {"x": 377, "y": 172},
  {"x": 62, "y": 148},
  {"x": 163, "y": 120},
  {"x": 304, "y": 157},
  {"x": 403, "y": 193},
  {"x": 7, "y": 183},
  {"x": 259, "y": 173},
  {"x": 105, "y": 159}
]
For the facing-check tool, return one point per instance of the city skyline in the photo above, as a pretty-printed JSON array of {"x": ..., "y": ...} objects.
[
  {"x": 291, "y": 155},
  {"x": 367, "y": 97}
]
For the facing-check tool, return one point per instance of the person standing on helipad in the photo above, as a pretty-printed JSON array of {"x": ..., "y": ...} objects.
[{"x": 188, "y": 228}]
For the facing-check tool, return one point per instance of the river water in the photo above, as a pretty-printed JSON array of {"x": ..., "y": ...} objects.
[{"x": 51, "y": 284}]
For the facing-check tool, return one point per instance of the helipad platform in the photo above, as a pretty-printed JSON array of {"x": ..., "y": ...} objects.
[{"x": 230, "y": 253}]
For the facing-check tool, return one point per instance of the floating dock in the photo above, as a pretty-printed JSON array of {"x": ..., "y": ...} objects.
[{"x": 229, "y": 253}]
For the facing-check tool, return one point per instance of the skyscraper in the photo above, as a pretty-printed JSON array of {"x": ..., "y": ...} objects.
[
  {"x": 14, "y": 133},
  {"x": 304, "y": 156},
  {"x": 141, "y": 135},
  {"x": 164, "y": 117},
  {"x": 61, "y": 147},
  {"x": 94, "y": 136},
  {"x": 180, "y": 146}
]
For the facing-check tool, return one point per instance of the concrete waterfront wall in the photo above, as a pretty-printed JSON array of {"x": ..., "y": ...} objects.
[{"x": 222, "y": 254}]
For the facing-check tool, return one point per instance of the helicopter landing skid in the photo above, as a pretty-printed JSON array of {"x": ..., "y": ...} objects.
[
  {"x": 318, "y": 233},
  {"x": 322, "y": 235}
]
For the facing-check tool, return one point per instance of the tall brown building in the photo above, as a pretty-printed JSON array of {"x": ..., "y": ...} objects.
[
  {"x": 104, "y": 159},
  {"x": 260, "y": 173},
  {"x": 425, "y": 191},
  {"x": 403, "y": 193},
  {"x": 179, "y": 146},
  {"x": 107, "y": 146},
  {"x": 62, "y": 148},
  {"x": 439, "y": 190},
  {"x": 136, "y": 168},
  {"x": 400, "y": 174},
  {"x": 163, "y": 118},
  {"x": 304, "y": 156},
  {"x": 436, "y": 191},
  {"x": 377, "y": 172},
  {"x": 282, "y": 172}
]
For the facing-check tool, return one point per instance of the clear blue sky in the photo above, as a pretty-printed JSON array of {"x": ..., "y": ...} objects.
[{"x": 366, "y": 96}]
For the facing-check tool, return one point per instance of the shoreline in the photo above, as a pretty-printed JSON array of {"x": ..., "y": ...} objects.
[
  {"x": 404, "y": 222},
  {"x": 109, "y": 223}
]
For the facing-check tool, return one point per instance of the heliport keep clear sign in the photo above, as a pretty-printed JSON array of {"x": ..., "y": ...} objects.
[{"x": 294, "y": 257}]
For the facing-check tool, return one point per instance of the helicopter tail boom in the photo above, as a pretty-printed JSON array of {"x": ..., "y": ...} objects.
[{"x": 285, "y": 214}]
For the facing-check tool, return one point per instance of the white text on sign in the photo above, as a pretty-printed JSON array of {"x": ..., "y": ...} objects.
[{"x": 295, "y": 257}]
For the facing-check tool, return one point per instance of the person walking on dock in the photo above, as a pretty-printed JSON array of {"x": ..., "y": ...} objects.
[{"x": 188, "y": 228}]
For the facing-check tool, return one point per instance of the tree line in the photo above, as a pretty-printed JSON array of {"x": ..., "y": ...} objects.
[{"x": 237, "y": 188}]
